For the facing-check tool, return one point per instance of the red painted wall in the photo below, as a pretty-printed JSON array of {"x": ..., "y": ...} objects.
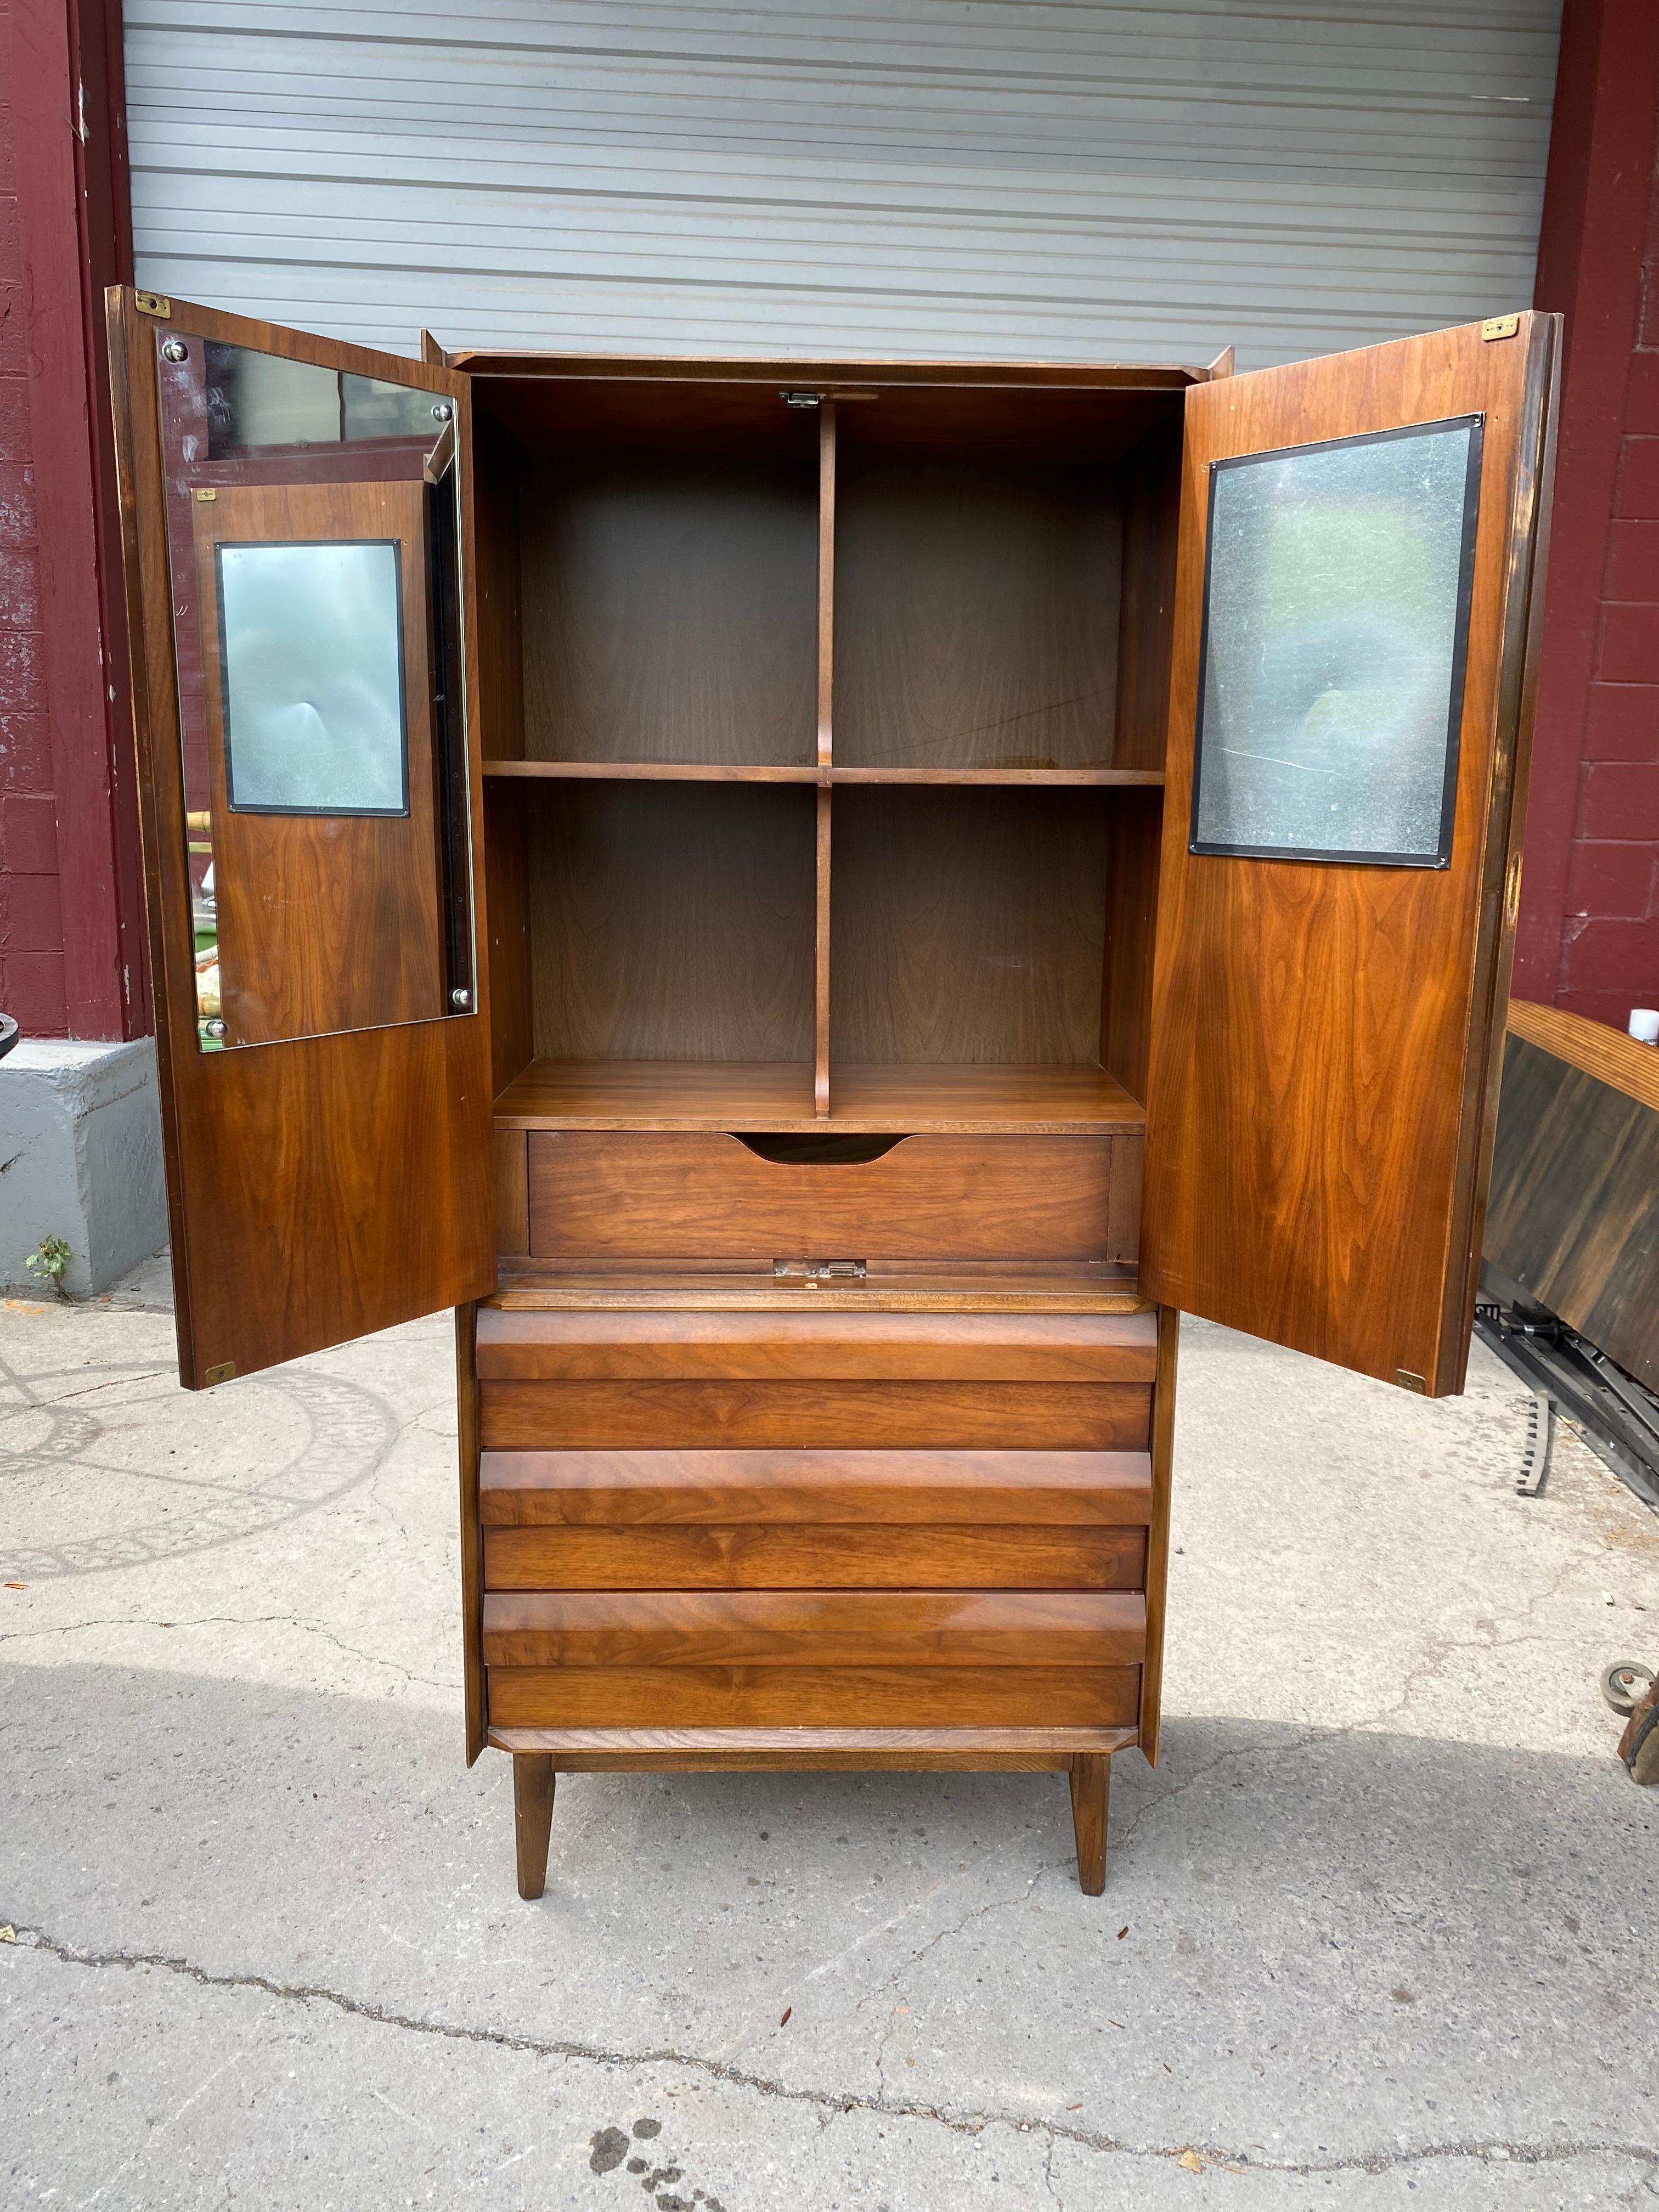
[
  {"x": 71, "y": 901},
  {"x": 1589, "y": 935}
]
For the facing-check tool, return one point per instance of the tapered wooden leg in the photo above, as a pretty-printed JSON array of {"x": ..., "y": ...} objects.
[
  {"x": 1092, "y": 1795},
  {"x": 532, "y": 1817}
]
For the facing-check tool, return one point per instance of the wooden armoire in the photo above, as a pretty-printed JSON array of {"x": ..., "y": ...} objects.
[{"x": 819, "y": 905}]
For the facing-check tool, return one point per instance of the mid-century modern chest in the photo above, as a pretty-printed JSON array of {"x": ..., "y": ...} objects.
[{"x": 819, "y": 905}]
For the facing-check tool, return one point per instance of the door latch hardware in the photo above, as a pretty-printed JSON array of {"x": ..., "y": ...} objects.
[
  {"x": 460, "y": 999},
  {"x": 222, "y": 1373},
  {"x": 800, "y": 399},
  {"x": 175, "y": 350},
  {"x": 1499, "y": 326},
  {"x": 153, "y": 303},
  {"x": 820, "y": 1271}
]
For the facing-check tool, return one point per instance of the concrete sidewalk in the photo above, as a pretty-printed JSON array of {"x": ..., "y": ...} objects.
[{"x": 1379, "y": 1932}]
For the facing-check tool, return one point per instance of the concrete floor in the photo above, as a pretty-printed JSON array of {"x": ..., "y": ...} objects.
[{"x": 1379, "y": 1932}]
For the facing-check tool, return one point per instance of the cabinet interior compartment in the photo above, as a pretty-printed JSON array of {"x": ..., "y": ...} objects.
[{"x": 664, "y": 542}]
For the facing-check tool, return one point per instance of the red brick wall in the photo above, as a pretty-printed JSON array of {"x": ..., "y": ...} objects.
[
  {"x": 72, "y": 959},
  {"x": 31, "y": 920},
  {"x": 1588, "y": 936}
]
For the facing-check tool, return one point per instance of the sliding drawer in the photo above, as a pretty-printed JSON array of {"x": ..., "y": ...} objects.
[
  {"x": 747, "y": 1555},
  {"x": 821, "y": 1415},
  {"x": 813, "y": 1697},
  {"x": 624, "y": 1489},
  {"x": 631, "y": 1194}
]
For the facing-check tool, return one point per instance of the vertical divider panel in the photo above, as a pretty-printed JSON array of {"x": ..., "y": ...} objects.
[{"x": 826, "y": 750}]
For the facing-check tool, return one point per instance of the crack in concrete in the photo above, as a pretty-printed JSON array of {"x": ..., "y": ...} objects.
[
  {"x": 1495, "y": 2150},
  {"x": 305, "y": 1627}
]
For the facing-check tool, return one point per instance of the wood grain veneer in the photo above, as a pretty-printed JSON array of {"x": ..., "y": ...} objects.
[
  {"x": 636, "y": 1193},
  {"x": 809, "y": 1697},
  {"x": 599, "y": 1489},
  {"x": 813, "y": 1628},
  {"x": 944, "y": 1555},
  {"x": 1319, "y": 1098},
  {"x": 958, "y": 1347},
  {"x": 846, "y": 1416},
  {"x": 670, "y": 607},
  {"x": 968, "y": 926}
]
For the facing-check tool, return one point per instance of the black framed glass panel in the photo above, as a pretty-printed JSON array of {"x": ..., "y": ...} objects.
[{"x": 1336, "y": 612}]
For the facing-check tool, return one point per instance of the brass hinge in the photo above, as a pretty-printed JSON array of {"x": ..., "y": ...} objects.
[
  {"x": 1407, "y": 1381},
  {"x": 823, "y": 1270},
  {"x": 153, "y": 303},
  {"x": 205, "y": 492},
  {"x": 222, "y": 1373},
  {"x": 1500, "y": 326}
]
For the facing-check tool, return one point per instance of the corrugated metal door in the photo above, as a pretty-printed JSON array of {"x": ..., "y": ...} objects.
[{"x": 930, "y": 177}]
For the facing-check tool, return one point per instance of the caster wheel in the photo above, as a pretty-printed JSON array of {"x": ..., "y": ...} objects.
[{"x": 1625, "y": 1684}]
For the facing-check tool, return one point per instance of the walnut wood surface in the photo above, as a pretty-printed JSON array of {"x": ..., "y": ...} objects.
[
  {"x": 505, "y": 873},
  {"x": 635, "y": 1193},
  {"x": 827, "y": 1416},
  {"x": 810, "y": 1696},
  {"x": 323, "y": 1188},
  {"x": 670, "y": 607},
  {"x": 533, "y": 1786},
  {"x": 1573, "y": 1217},
  {"x": 731, "y": 1751},
  {"x": 1151, "y": 513},
  {"x": 821, "y": 963},
  {"x": 748, "y": 1556},
  {"x": 1158, "y": 1534},
  {"x": 846, "y": 1347},
  {"x": 1126, "y": 1006},
  {"x": 1091, "y": 1785},
  {"x": 968, "y": 926},
  {"x": 813, "y": 1628},
  {"x": 701, "y": 772},
  {"x": 1082, "y": 383},
  {"x": 601, "y": 1489},
  {"x": 1316, "y": 1106},
  {"x": 976, "y": 606},
  {"x": 763, "y": 1096},
  {"x": 472, "y": 1531},
  {"x": 672, "y": 921},
  {"x": 512, "y": 1192},
  {"x": 892, "y": 1286},
  {"x": 326, "y": 922}
]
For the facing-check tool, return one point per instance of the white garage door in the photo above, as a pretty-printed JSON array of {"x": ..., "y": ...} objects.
[{"x": 1063, "y": 181}]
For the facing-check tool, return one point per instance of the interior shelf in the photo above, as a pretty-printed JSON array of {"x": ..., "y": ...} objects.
[
  {"x": 699, "y": 772},
  {"x": 770, "y": 1095}
]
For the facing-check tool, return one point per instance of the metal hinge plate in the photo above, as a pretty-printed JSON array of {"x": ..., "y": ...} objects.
[
  {"x": 1407, "y": 1381},
  {"x": 222, "y": 1373},
  {"x": 153, "y": 303},
  {"x": 1500, "y": 326}
]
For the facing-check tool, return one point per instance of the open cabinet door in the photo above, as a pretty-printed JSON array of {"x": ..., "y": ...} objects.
[
  {"x": 296, "y": 516},
  {"x": 1360, "y": 582}
]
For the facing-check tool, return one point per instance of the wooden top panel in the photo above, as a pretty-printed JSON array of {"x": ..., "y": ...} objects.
[
  {"x": 1012, "y": 1348},
  {"x": 713, "y": 1287},
  {"x": 832, "y": 378},
  {"x": 1606, "y": 1054}
]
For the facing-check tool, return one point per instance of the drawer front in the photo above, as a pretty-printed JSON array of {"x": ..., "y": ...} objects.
[
  {"x": 526, "y": 1346},
  {"x": 630, "y": 1629},
  {"x": 813, "y": 1697},
  {"x": 749, "y": 1555},
  {"x": 631, "y": 1194},
  {"x": 822, "y": 1415},
  {"x": 622, "y": 1488}
]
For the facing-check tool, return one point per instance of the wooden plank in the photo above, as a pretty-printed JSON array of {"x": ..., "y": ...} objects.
[
  {"x": 826, "y": 1347},
  {"x": 1608, "y": 1054},
  {"x": 846, "y": 1416},
  {"x": 1157, "y": 1535},
  {"x": 713, "y": 1287},
  {"x": 1054, "y": 1098},
  {"x": 632, "y": 771},
  {"x": 512, "y": 1191},
  {"x": 717, "y": 1751},
  {"x": 865, "y": 1556},
  {"x": 270, "y": 1152},
  {"x": 603, "y": 1489},
  {"x": 1573, "y": 1216},
  {"x": 826, "y": 663},
  {"x": 638, "y": 1193},
  {"x": 821, "y": 967},
  {"x": 809, "y": 1697},
  {"x": 831, "y": 1628},
  {"x": 466, "y": 1408},
  {"x": 1317, "y": 1104}
]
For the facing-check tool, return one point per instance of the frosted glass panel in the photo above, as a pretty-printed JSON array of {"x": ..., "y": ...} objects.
[
  {"x": 1335, "y": 625},
  {"x": 312, "y": 658}
]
